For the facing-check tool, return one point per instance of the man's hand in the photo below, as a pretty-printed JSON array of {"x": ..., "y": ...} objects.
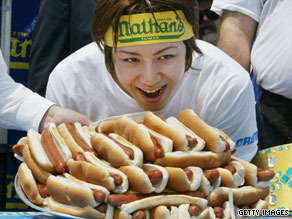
[{"x": 56, "y": 114}]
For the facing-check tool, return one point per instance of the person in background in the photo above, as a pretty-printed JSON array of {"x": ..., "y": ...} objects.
[
  {"x": 62, "y": 27},
  {"x": 20, "y": 108},
  {"x": 209, "y": 26},
  {"x": 161, "y": 67},
  {"x": 257, "y": 34}
]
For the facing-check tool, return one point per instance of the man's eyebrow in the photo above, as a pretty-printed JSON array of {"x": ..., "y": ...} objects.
[
  {"x": 166, "y": 48},
  {"x": 137, "y": 54}
]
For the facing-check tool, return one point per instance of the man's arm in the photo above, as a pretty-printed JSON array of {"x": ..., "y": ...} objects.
[{"x": 236, "y": 35}]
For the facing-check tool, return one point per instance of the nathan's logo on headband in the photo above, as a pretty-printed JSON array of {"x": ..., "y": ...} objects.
[{"x": 140, "y": 29}]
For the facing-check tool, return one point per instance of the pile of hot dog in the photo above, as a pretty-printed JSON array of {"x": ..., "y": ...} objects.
[{"x": 149, "y": 168}]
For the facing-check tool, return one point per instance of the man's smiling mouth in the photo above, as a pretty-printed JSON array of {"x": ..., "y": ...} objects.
[{"x": 152, "y": 93}]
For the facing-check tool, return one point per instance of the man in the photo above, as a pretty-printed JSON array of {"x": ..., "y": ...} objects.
[
  {"x": 22, "y": 109},
  {"x": 62, "y": 27},
  {"x": 258, "y": 33}
]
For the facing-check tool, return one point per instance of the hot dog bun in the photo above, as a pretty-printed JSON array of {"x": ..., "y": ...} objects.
[
  {"x": 167, "y": 200},
  {"x": 84, "y": 212},
  {"x": 28, "y": 184},
  {"x": 97, "y": 172},
  {"x": 144, "y": 214},
  {"x": 164, "y": 212},
  {"x": 203, "y": 159},
  {"x": 155, "y": 123},
  {"x": 60, "y": 143},
  {"x": 76, "y": 139},
  {"x": 246, "y": 195},
  {"x": 37, "y": 151},
  {"x": 211, "y": 179},
  {"x": 76, "y": 194},
  {"x": 139, "y": 180},
  {"x": 107, "y": 147},
  {"x": 251, "y": 174},
  {"x": 179, "y": 180},
  {"x": 216, "y": 140},
  {"x": 200, "y": 143},
  {"x": 140, "y": 136},
  {"x": 232, "y": 180},
  {"x": 39, "y": 174}
]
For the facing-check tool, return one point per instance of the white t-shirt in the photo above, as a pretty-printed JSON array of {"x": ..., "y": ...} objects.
[
  {"x": 219, "y": 91},
  {"x": 20, "y": 108},
  {"x": 271, "y": 54}
]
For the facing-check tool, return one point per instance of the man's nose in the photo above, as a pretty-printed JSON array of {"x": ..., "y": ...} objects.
[{"x": 150, "y": 74}]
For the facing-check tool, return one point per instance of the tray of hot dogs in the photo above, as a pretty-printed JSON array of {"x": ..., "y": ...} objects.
[{"x": 137, "y": 166}]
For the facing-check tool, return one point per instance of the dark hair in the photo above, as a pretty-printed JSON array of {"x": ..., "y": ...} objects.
[{"x": 108, "y": 12}]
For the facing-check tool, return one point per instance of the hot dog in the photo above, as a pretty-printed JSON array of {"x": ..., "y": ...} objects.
[
  {"x": 80, "y": 194},
  {"x": 102, "y": 211},
  {"x": 38, "y": 173},
  {"x": 202, "y": 159},
  {"x": 189, "y": 211},
  {"x": 75, "y": 137},
  {"x": 211, "y": 179},
  {"x": 245, "y": 195},
  {"x": 255, "y": 176},
  {"x": 232, "y": 175},
  {"x": 166, "y": 200},
  {"x": 48, "y": 149},
  {"x": 37, "y": 151},
  {"x": 164, "y": 212},
  {"x": 52, "y": 152},
  {"x": 97, "y": 172},
  {"x": 149, "y": 178},
  {"x": 28, "y": 184},
  {"x": 17, "y": 148},
  {"x": 139, "y": 214},
  {"x": 215, "y": 140},
  {"x": 187, "y": 179},
  {"x": 117, "y": 150},
  {"x": 183, "y": 138},
  {"x": 151, "y": 143}
]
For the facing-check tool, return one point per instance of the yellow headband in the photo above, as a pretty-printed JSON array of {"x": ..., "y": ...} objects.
[{"x": 141, "y": 29}]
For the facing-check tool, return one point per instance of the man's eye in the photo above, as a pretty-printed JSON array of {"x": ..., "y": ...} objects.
[
  {"x": 166, "y": 57},
  {"x": 131, "y": 60}
]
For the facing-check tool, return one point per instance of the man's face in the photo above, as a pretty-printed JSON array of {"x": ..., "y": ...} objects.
[{"x": 149, "y": 73}]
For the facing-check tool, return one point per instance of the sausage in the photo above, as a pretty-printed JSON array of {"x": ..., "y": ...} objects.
[
  {"x": 79, "y": 157},
  {"x": 43, "y": 190},
  {"x": 212, "y": 175},
  {"x": 117, "y": 200},
  {"x": 17, "y": 149},
  {"x": 52, "y": 152},
  {"x": 118, "y": 180},
  {"x": 265, "y": 174},
  {"x": 161, "y": 117},
  {"x": 219, "y": 212},
  {"x": 139, "y": 214},
  {"x": 194, "y": 210},
  {"x": 189, "y": 174},
  {"x": 126, "y": 149},
  {"x": 102, "y": 208},
  {"x": 71, "y": 129},
  {"x": 158, "y": 150},
  {"x": 231, "y": 168},
  {"x": 192, "y": 142},
  {"x": 155, "y": 176},
  {"x": 98, "y": 195},
  {"x": 227, "y": 145}
]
